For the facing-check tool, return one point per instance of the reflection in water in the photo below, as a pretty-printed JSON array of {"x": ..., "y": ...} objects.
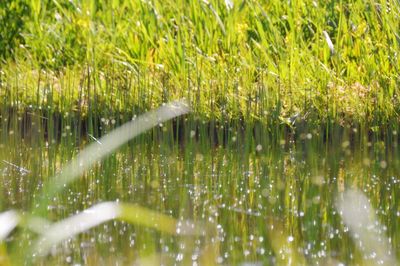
[{"x": 269, "y": 198}]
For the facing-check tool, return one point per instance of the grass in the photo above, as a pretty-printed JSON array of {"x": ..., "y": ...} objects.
[
  {"x": 294, "y": 128},
  {"x": 253, "y": 62}
]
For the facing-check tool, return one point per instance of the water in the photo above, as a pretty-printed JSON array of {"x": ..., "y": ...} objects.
[{"x": 271, "y": 198}]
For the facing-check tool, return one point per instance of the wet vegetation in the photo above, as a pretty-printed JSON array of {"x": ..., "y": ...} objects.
[
  {"x": 320, "y": 60},
  {"x": 200, "y": 132}
]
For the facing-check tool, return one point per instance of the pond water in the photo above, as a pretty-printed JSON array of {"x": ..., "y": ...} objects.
[{"x": 271, "y": 196}]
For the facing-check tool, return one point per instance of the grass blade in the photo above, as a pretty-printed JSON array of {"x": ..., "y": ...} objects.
[
  {"x": 329, "y": 42},
  {"x": 8, "y": 221},
  {"x": 104, "y": 212},
  {"x": 359, "y": 216},
  {"x": 109, "y": 143}
]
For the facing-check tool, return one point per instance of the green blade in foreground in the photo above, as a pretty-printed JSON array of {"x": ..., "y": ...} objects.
[
  {"x": 358, "y": 214},
  {"x": 104, "y": 212},
  {"x": 106, "y": 145},
  {"x": 8, "y": 221}
]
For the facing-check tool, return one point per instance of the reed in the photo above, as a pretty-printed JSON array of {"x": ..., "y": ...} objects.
[{"x": 257, "y": 61}]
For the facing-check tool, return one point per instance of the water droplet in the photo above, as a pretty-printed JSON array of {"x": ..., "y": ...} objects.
[
  {"x": 345, "y": 144},
  {"x": 179, "y": 257}
]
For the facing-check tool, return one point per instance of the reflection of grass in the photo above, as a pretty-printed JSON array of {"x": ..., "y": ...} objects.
[
  {"x": 103, "y": 212},
  {"x": 268, "y": 197},
  {"x": 106, "y": 145},
  {"x": 252, "y": 61}
]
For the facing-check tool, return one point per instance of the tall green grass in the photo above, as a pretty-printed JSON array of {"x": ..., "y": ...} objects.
[{"x": 257, "y": 61}]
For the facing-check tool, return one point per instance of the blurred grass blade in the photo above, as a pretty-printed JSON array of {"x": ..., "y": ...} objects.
[
  {"x": 228, "y": 4},
  {"x": 329, "y": 42},
  {"x": 76, "y": 224},
  {"x": 110, "y": 142},
  {"x": 8, "y": 221},
  {"x": 34, "y": 223},
  {"x": 154, "y": 259},
  {"x": 104, "y": 212},
  {"x": 219, "y": 21},
  {"x": 359, "y": 216},
  {"x": 11, "y": 219},
  {"x": 136, "y": 214}
]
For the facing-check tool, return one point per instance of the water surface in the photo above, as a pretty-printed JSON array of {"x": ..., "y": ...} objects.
[{"x": 271, "y": 196}]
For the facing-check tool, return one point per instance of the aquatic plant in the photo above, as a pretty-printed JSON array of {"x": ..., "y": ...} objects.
[{"x": 327, "y": 61}]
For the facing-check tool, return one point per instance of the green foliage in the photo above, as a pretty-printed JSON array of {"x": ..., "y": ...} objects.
[
  {"x": 12, "y": 14},
  {"x": 268, "y": 56}
]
